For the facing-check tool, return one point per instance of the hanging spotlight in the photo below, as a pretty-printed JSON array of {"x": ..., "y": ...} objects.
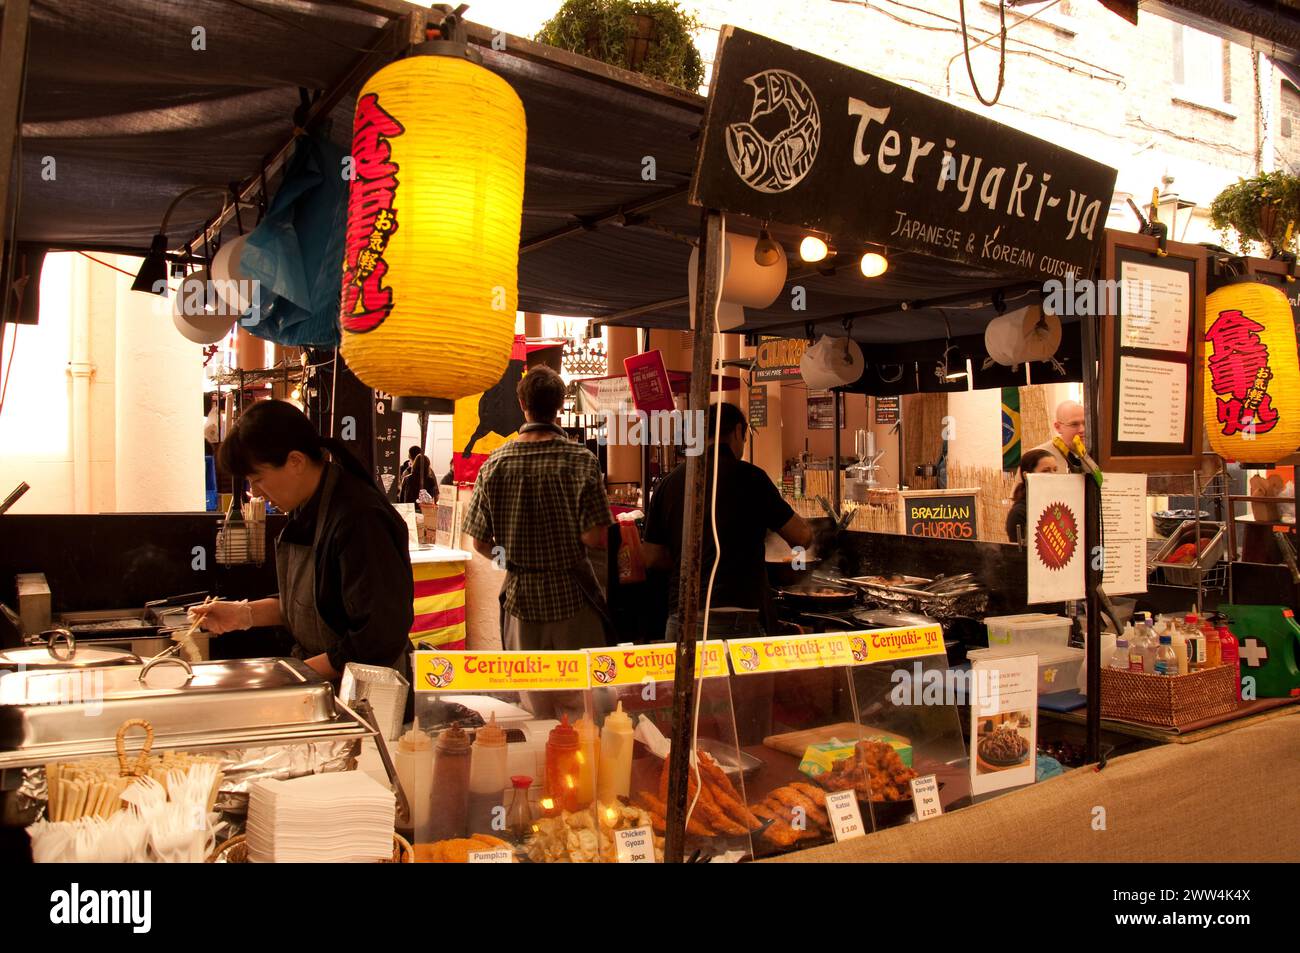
[
  {"x": 874, "y": 264},
  {"x": 812, "y": 249},
  {"x": 767, "y": 252},
  {"x": 152, "y": 276}
]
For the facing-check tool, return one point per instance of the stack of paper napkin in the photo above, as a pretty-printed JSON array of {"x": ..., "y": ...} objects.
[{"x": 335, "y": 818}]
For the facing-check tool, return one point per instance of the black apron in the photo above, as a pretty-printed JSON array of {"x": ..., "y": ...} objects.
[{"x": 295, "y": 569}]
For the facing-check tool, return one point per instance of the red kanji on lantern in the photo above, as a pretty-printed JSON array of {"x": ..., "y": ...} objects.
[{"x": 1239, "y": 374}]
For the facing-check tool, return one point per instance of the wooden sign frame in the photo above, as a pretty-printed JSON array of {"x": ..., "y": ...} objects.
[{"x": 1122, "y": 246}]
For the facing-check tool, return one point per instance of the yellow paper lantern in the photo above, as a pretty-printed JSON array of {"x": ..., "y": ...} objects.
[
  {"x": 1252, "y": 373},
  {"x": 430, "y": 278}
]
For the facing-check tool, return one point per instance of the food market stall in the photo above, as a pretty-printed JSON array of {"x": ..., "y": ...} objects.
[{"x": 575, "y": 247}]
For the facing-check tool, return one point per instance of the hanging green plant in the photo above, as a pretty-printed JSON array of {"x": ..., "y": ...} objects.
[
  {"x": 1263, "y": 211},
  {"x": 651, "y": 37}
]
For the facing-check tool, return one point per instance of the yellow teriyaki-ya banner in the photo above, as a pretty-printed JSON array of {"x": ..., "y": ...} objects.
[
  {"x": 635, "y": 664},
  {"x": 500, "y": 671},
  {"x": 788, "y": 654},
  {"x": 888, "y": 645}
]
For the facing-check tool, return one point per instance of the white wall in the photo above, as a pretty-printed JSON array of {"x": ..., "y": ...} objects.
[
  {"x": 143, "y": 408},
  {"x": 975, "y": 438}
]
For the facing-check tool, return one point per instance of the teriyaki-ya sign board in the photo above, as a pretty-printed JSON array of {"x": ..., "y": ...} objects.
[{"x": 794, "y": 138}]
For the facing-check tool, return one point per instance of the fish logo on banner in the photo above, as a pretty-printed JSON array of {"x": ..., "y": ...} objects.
[
  {"x": 778, "y": 163},
  {"x": 749, "y": 658},
  {"x": 604, "y": 669},
  {"x": 858, "y": 646},
  {"x": 442, "y": 674}
]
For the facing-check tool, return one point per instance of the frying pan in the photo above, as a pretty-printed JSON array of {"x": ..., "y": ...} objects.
[{"x": 818, "y": 597}]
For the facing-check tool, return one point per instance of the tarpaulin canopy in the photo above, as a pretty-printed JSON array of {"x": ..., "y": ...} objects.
[{"x": 130, "y": 102}]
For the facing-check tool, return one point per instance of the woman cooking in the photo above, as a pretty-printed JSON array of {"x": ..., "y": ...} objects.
[{"x": 342, "y": 562}]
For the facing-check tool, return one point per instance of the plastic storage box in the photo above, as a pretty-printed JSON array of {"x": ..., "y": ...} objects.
[
  {"x": 1058, "y": 667},
  {"x": 1033, "y": 630}
]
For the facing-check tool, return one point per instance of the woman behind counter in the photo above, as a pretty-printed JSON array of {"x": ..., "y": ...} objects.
[
  {"x": 1032, "y": 461},
  {"x": 342, "y": 562}
]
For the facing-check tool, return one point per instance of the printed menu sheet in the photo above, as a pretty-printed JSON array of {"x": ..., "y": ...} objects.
[
  {"x": 1152, "y": 401},
  {"x": 1155, "y": 307},
  {"x": 1124, "y": 522},
  {"x": 1004, "y": 723}
]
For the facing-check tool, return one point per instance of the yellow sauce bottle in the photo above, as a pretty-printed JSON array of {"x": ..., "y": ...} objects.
[
  {"x": 615, "y": 777},
  {"x": 588, "y": 758}
]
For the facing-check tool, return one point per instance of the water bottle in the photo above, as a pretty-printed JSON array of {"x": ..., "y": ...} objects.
[
  {"x": 1166, "y": 661},
  {"x": 1119, "y": 660}
]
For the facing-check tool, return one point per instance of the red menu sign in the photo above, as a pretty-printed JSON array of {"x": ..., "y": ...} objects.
[{"x": 647, "y": 377}]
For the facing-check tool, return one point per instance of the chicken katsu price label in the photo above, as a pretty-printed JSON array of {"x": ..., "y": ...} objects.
[
  {"x": 638, "y": 664},
  {"x": 635, "y": 846},
  {"x": 500, "y": 855},
  {"x": 888, "y": 645},
  {"x": 752, "y": 656},
  {"x": 846, "y": 816},
  {"x": 500, "y": 671},
  {"x": 925, "y": 796}
]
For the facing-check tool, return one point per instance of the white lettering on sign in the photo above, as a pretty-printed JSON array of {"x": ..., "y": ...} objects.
[
  {"x": 635, "y": 846},
  {"x": 500, "y": 855},
  {"x": 925, "y": 795},
  {"x": 846, "y": 818}
]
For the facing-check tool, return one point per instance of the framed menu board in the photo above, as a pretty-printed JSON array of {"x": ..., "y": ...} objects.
[{"x": 1152, "y": 309}]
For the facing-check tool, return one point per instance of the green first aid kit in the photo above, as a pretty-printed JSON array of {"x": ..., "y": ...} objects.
[{"x": 1268, "y": 642}]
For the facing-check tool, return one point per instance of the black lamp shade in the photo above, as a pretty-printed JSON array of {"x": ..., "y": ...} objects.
[{"x": 152, "y": 276}]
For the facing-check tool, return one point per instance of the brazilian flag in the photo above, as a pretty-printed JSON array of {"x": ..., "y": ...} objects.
[{"x": 1010, "y": 428}]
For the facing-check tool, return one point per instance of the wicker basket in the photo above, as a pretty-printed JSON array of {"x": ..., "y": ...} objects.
[
  {"x": 1167, "y": 701},
  {"x": 235, "y": 851}
]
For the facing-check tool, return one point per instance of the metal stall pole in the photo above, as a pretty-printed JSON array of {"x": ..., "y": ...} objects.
[
  {"x": 1092, "y": 539},
  {"x": 645, "y": 444},
  {"x": 836, "y": 403},
  {"x": 688, "y": 600}
]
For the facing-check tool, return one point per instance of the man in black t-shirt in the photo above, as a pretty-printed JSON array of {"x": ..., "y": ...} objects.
[{"x": 748, "y": 506}]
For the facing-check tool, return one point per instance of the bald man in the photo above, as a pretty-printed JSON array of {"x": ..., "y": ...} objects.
[{"x": 1069, "y": 423}]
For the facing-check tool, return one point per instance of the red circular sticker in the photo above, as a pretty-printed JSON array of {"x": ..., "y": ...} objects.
[{"x": 1057, "y": 536}]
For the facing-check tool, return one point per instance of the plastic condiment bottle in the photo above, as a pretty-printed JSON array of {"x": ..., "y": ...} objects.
[
  {"x": 1213, "y": 648},
  {"x": 414, "y": 763},
  {"x": 488, "y": 778},
  {"x": 560, "y": 784},
  {"x": 1179, "y": 643},
  {"x": 450, "y": 811},
  {"x": 519, "y": 818},
  {"x": 588, "y": 759},
  {"x": 1166, "y": 660},
  {"x": 1231, "y": 656},
  {"x": 1150, "y": 643},
  {"x": 615, "y": 776},
  {"x": 1135, "y": 660},
  {"x": 1195, "y": 643}
]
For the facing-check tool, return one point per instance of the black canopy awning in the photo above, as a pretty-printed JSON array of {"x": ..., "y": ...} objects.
[{"x": 130, "y": 102}]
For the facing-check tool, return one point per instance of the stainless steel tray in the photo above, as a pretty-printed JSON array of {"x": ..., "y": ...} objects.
[
  {"x": 46, "y": 716},
  {"x": 1188, "y": 574}
]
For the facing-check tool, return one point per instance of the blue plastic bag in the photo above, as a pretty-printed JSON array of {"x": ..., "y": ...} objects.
[{"x": 296, "y": 251}]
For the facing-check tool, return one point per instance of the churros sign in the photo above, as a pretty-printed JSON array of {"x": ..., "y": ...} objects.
[
  {"x": 500, "y": 671},
  {"x": 637, "y": 664}
]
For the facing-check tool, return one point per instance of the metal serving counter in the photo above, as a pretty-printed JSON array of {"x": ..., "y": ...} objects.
[{"x": 56, "y": 714}]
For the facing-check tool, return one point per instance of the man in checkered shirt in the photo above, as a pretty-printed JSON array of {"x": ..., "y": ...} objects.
[{"x": 539, "y": 501}]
